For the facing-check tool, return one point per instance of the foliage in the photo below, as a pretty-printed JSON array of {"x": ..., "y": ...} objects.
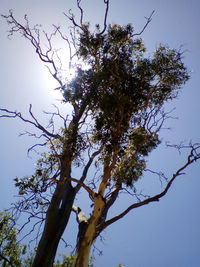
[
  {"x": 10, "y": 250},
  {"x": 68, "y": 261}
]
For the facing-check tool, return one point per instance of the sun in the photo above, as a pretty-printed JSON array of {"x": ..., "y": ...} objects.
[{"x": 64, "y": 72}]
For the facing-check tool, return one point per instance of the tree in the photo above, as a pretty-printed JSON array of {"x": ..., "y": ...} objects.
[
  {"x": 10, "y": 250},
  {"x": 117, "y": 102}
]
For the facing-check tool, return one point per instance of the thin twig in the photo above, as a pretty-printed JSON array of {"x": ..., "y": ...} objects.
[{"x": 146, "y": 24}]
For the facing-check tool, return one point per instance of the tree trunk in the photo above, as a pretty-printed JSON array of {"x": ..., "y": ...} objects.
[
  {"x": 60, "y": 207},
  {"x": 88, "y": 233},
  {"x": 83, "y": 254},
  {"x": 56, "y": 221}
]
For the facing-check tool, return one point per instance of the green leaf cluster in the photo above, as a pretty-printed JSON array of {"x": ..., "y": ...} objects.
[
  {"x": 120, "y": 81},
  {"x": 119, "y": 84},
  {"x": 131, "y": 162},
  {"x": 9, "y": 247}
]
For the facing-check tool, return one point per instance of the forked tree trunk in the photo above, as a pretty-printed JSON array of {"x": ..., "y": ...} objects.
[{"x": 60, "y": 208}]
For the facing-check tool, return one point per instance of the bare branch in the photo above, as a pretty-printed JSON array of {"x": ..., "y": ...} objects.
[
  {"x": 66, "y": 244},
  {"x": 81, "y": 26},
  {"x": 71, "y": 17},
  {"x": 105, "y": 17},
  {"x": 34, "y": 122},
  {"x": 81, "y": 10},
  {"x": 146, "y": 24},
  {"x": 85, "y": 171},
  {"x": 33, "y": 227},
  {"x": 65, "y": 38},
  {"x": 160, "y": 175},
  {"x": 36, "y": 145},
  {"x": 154, "y": 119},
  {"x": 133, "y": 192},
  {"x": 56, "y": 113},
  {"x": 87, "y": 188},
  {"x": 193, "y": 156},
  {"x": 34, "y": 36}
]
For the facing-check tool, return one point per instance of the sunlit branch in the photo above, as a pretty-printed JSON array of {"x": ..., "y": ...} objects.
[
  {"x": 109, "y": 163},
  {"x": 110, "y": 200}
]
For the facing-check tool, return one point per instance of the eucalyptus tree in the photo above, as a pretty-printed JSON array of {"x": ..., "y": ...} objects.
[{"x": 117, "y": 102}]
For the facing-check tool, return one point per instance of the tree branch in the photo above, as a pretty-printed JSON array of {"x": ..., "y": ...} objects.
[
  {"x": 87, "y": 188},
  {"x": 34, "y": 36},
  {"x": 110, "y": 200},
  {"x": 71, "y": 17},
  {"x": 81, "y": 10},
  {"x": 15, "y": 114},
  {"x": 193, "y": 156},
  {"x": 105, "y": 17},
  {"x": 7, "y": 260},
  {"x": 81, "y": 25},
  {"x": 85, "y": 171},
  {"x": 146, "y": 24}
]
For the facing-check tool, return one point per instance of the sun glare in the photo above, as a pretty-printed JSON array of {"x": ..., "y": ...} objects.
[{"x": 65, "y": 73}]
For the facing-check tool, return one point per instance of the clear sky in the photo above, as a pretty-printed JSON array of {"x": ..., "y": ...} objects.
[{"x": 161, "y": 234}]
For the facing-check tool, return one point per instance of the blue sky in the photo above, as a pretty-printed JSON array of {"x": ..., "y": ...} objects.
[{"x": 161, "y": 234}]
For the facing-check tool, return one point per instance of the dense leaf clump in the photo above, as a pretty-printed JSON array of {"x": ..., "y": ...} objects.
[{"x": 119, "y": 83}]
